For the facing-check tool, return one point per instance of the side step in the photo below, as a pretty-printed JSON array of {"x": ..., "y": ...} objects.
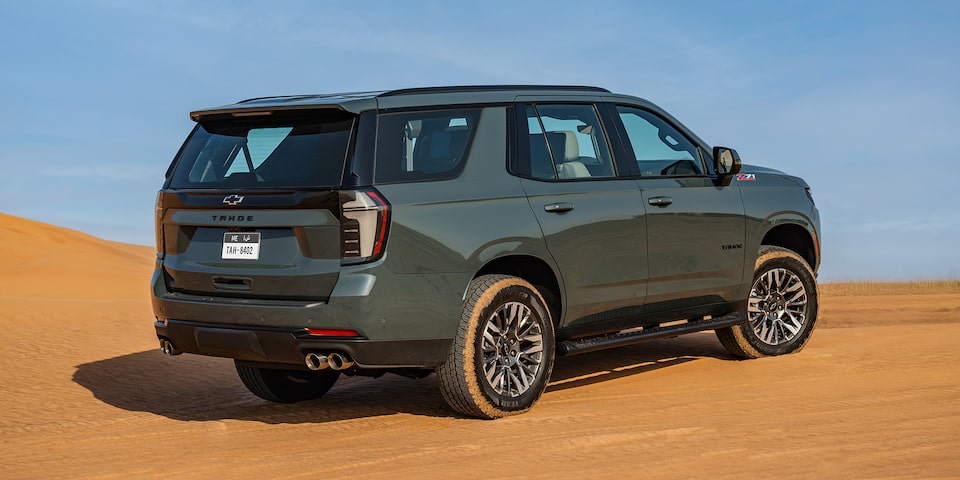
[{"x": 636, "y": 335}]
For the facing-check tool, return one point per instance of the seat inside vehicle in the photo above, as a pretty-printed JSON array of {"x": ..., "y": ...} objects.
[{"x": 566, "y": 152}]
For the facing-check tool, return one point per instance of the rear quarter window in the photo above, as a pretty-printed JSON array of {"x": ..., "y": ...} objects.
[{"x": 422, "y": 146}]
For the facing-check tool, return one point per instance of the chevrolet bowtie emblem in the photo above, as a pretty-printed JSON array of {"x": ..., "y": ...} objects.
[{"x": 233, "y": 200}]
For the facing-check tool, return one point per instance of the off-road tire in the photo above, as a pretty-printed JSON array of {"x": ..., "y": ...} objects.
[
  {"x": 462, "y": 380},
  {"x": 742, "y": 340},
  {"x": 285, "y": 386}
]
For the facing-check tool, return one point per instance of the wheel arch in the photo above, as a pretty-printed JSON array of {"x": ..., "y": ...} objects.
[
  {"x": 796, "y": 238},
  {"x": 534, "y": 270}
]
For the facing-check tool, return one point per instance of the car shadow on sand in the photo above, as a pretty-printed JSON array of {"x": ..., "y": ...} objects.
[{"x": 196, "y": 388}]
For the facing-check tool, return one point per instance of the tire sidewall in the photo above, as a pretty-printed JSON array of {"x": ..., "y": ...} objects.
[
  {"x": 517, "y": 292},
  {"x": 780, "y": 258}
]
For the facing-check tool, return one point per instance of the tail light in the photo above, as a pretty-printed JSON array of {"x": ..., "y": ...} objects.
[
  {"x": 158, "y": 223},
  {"x": 364, "y": 221}
]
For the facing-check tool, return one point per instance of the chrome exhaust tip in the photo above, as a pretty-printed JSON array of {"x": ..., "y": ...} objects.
[
  {"x": 316, "y": 361},
  {"x": 339, "y": 361},
  {"x": 167, "y": 348}
]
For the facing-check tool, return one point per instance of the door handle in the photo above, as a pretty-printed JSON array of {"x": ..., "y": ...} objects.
[
  {"x": 660, "y": 201},
  {"x": 558, "y": 207}
]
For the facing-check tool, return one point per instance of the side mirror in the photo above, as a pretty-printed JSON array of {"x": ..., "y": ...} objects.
[{"x": 726, "y": 161}]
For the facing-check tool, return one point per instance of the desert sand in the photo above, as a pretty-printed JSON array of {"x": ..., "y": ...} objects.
[{"x": 87, "y": 394}]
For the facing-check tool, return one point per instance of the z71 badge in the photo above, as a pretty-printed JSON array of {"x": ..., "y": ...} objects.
[{"x": 746, "y": 177}]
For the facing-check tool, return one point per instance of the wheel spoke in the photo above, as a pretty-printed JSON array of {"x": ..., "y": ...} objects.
[
  {"x": 531, "y": 328},
  {"x": 791, "y": 327},
  {"x": 502, "y": 321},
  {"x": 794, "y": 286},
  {"x": 531, "y": 335},
  {"x": 515, "y": 316},
  {"x": 525, "y": 378},
  {"x": 523, "y": 319},
  {"x": 492, "y": 377},
  {"x": 798, "y": 298},
  {"x": 763, "y": 331},
  {"x": 537, "y": 347},
  {"x": 489, "y": 343},
  {"x": 517, "y": 384}
]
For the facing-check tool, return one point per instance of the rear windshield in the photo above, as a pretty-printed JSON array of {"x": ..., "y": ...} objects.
[{"x": 276, "y": 152}]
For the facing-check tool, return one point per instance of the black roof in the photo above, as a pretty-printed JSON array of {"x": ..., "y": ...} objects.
[{"x": 489, "y": 88}]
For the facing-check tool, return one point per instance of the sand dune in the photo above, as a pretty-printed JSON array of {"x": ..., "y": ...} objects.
[
  {"x": 43, "y": 261},
  {"x": 86, "y": 394}
]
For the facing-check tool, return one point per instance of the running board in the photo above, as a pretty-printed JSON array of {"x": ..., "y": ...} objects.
[{"x": 629, "y": 337}]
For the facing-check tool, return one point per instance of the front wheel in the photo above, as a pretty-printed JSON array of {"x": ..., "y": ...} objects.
[
  {"x": 781, "y": 311},
  {"x": 285, "y": 386},
  {"x": 503, "y": 355}
]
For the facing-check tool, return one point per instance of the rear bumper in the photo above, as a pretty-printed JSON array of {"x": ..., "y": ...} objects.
[
  {"x": 404, "y": 321},
  {"x": 279, "y": 346}
]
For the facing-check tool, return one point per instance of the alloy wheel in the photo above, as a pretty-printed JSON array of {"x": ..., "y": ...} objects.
[
  {"x": 512, "y": 349},
  {"x": 778, "y": 306}
]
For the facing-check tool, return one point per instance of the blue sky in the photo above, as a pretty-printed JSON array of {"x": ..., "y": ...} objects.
[{"x": 862, "y": 99}]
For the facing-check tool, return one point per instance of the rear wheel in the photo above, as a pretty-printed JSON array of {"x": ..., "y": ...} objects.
[
  {"x": 781, "y": 311},
  {"x": 285, "y": 386},
  {"x": 503, "y": 355}
]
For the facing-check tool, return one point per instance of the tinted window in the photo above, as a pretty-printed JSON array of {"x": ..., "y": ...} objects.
[
  {"x": 421, "y": 146},
  {"x": 659, "y": 148},
  {"x": 271, "y": 153},
  {"x": 565, "y": 142}
]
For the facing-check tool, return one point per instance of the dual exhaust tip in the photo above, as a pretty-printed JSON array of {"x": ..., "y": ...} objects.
[
  {"x": 167, "y": 348},
  {"x": 333, "y": 361}
]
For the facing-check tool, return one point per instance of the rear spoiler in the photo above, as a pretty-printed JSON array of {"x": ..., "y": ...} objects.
[{"x": 272, "y": 105}]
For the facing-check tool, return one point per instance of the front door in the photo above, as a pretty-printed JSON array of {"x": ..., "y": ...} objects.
[{"x": 695, "y": 225}]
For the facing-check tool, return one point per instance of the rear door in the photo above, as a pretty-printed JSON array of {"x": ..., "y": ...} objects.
[
  {"x": 592, "y": 220},
  {"x": 252, "y": 207},
  {"x": 695, "y": 225}
]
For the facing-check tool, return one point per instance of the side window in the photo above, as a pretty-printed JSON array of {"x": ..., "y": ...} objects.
[
  {"x": 417, "y": 146},
  {"x": 659, "y": 148},
  {"x": 566, "y": 142}
]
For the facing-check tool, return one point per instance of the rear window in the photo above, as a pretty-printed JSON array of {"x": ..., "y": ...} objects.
[
  {"x": 276, "y": 152},
  {"x": 418, "y": 146}
]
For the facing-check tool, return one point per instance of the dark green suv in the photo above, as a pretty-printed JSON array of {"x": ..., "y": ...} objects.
[{"x": 476, "y": 232}]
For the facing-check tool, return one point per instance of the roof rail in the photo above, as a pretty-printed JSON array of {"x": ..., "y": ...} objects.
[
  {"x": 489, "y": 88},
  {"x": 314, "y": 95}
]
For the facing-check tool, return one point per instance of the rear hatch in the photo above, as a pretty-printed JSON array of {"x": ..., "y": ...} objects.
[{"x": 252, "y": 206}]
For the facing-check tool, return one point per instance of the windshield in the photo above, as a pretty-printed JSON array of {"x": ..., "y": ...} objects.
[{"x": 305, "y": 152}]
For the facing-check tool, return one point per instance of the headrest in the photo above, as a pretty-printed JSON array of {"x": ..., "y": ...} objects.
[
  {"x": 412, "y": 128},
  {"x": 564, "y": 145}
]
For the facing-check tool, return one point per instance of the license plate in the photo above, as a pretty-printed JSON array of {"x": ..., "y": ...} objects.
[{"x": 241, "y": 246}]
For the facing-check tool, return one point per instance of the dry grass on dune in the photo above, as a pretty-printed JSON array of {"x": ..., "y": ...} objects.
[{"x": 890, "y": 288}]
